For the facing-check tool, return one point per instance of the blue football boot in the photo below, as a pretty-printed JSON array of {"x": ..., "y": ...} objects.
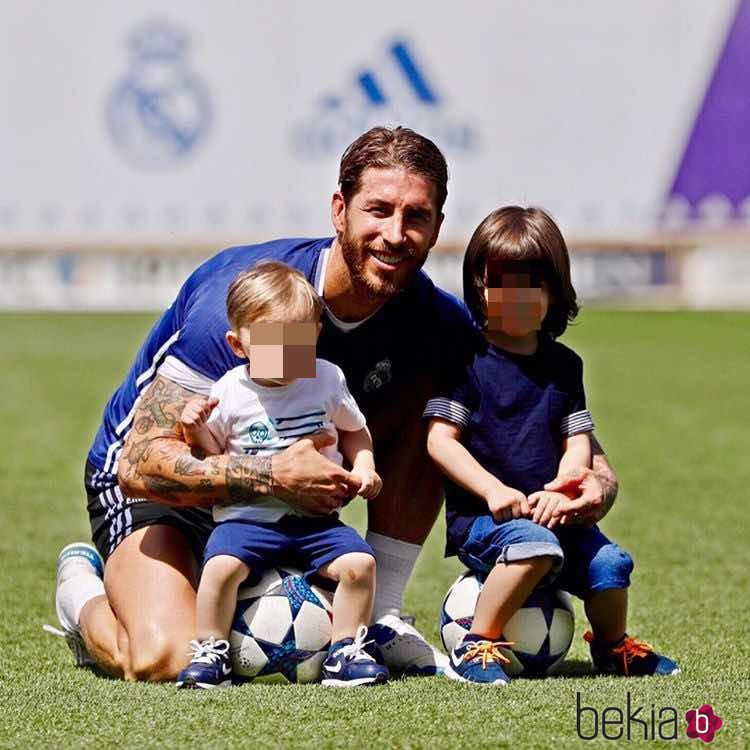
[
  {"x": 478, "y": 661},
  {"x": 350, "y": 665},
  {"x": 629, "y": 657},
  {"x": 209, "y": 668}
]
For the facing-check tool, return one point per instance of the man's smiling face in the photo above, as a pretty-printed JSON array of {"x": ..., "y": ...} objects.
[{"x": 387, "y": 228}]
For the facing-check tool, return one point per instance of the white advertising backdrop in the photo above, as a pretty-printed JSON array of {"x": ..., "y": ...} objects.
[{"x": 163, "y": 122}]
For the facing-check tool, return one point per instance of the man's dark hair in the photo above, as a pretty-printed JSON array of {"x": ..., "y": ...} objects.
[
  {"x": 515, "y": 240},
  {"x": 389, "y": 148}
]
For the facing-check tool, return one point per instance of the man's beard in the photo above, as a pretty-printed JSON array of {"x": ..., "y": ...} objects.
[{"x": 355, "y": 258}]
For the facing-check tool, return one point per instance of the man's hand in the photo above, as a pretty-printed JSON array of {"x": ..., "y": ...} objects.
[
  {"x": 505, "y": 503},
  {"x": 585, "y": 494},
  {"x": 307, "y": 480}
]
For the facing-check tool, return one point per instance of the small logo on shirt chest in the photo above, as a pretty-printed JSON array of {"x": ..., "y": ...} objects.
[
  {"x": 380, "y": 376},
  {"x": 258, "y": 432}
]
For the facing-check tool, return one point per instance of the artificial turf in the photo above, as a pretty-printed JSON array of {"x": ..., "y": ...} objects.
[{"x": 668, "y": 392}]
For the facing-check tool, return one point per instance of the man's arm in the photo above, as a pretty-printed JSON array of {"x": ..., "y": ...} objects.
[
  {"x": 593, "y": 490},
  {"x": 156, "y": 463},
  {"x": 606, "y": 476}
]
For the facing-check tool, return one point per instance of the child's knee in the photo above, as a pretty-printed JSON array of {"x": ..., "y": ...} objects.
[
  {"x": 491, "y": 543},
  {"x": 225, "y": 568},
  {"x": 610, "y": 568},
  {"x": 529, "y": 540},
  {"x": 529, "y": 531},
  {"x": 357, "y": 568}
]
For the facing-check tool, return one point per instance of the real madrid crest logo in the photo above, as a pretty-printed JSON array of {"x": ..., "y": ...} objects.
[
  {"x": 378, "y": 377},
  {"x": 159, "y": 111}
]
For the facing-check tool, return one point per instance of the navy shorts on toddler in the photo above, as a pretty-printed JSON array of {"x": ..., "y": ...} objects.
[
  {"x": 301, "y": 542},
  {"x": 586, "y": 562}
]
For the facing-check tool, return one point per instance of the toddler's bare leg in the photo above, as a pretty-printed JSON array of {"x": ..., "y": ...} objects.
[
  {"x": 507, "y": 587},
  {"x": 352, "y": 602},
  {"x": 217, "y": 596}
]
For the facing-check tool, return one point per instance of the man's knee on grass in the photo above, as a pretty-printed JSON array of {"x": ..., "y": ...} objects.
[{"x": 156, "y": 655}]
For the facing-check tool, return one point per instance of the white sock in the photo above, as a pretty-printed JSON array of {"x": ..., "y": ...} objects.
[
  {"x": 73, "y": 592},
  {"x": 395, "y": 560}
]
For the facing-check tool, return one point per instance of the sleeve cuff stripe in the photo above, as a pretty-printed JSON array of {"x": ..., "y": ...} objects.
[
  {"x": 447, "y": 409},
  {"x": 580, "y": 421}
]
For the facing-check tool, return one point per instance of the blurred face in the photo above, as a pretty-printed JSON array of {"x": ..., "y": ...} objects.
[
  {"x": 387, "y": 229},
  {"x": 277, "y": 351},
  {"x": 518, "y": 307}
]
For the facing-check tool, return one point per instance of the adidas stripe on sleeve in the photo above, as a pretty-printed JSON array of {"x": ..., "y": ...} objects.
[
  {"x": 445, "y": 408},
  {"x": 576, "y": 423},
  {"x": 456, "y": 401}
]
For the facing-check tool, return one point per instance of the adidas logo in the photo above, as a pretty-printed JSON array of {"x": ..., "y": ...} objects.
[{"x": 397, "y": 90}]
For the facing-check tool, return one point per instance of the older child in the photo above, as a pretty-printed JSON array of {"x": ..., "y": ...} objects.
[
  {"x": 282, "y": 395},
  {"x": 512, "y": 421}
]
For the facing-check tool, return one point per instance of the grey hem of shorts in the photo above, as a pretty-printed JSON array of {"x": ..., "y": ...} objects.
[{"x": 529, "y": 550}]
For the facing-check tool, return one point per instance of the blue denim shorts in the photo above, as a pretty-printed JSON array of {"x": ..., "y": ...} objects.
[
  {"x": 305, "y": 543},
  {"x": 586, "y": 562}
]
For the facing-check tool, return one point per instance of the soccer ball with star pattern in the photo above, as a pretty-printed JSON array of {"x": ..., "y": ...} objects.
[
  {"x": 541, "y": 631},
  {"x": 281, "y": 629}
]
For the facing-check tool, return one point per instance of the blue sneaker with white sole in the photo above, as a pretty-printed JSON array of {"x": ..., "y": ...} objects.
[
  {"x": 350, "y": 665},
  {"x": 478, "y": 661},
  {"x": 210, "y": 666}
]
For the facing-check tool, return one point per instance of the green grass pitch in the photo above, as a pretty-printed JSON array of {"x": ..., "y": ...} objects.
[{"x": 669, "y": 392}]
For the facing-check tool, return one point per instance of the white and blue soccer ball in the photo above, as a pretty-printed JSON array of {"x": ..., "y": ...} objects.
[
  {"x": 541, "y": 630},
  {"x": 281, "y": 629}
]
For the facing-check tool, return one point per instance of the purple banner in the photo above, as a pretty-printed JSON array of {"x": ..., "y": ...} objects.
[{"x": 713, "y": 180}]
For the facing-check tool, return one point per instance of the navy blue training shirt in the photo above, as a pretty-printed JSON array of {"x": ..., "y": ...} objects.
[
  {"x": 514, "y": 411},
  {"x": 381, "y": 357}
]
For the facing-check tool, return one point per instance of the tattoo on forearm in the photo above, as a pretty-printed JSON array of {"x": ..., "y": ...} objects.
[
  {"x": 607, "y": 480},
  {"x": 609, "y": 488},
  {"x": 248, "y": 476},
  {"x": 137, "y": 450},
  {"x": 161, "y": 418},
  {"x": 186, "y": 465},
  {"x": 213, "y": 465},
  {"x": 157, "y": 416},
  {"x": 143, "y": 424},
  {"x": 156, "y": 462},
  {"x": 169, "y": 489},
  {"x": 161, "y": 406}
]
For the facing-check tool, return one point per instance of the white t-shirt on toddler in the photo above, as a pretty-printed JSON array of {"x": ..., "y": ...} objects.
[{"x": 252, "y": 419}]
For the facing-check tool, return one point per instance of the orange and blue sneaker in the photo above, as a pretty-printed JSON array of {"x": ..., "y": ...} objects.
[
  {"x": 478, "y": 661},
  {"x": 629, "y": 657}
]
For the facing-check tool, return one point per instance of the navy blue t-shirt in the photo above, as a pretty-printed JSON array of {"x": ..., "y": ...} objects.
[{"x": 514, "y": 411}]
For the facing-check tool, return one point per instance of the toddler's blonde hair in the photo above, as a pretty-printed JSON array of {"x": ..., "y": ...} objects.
[{"x": 272, "y": 292}]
